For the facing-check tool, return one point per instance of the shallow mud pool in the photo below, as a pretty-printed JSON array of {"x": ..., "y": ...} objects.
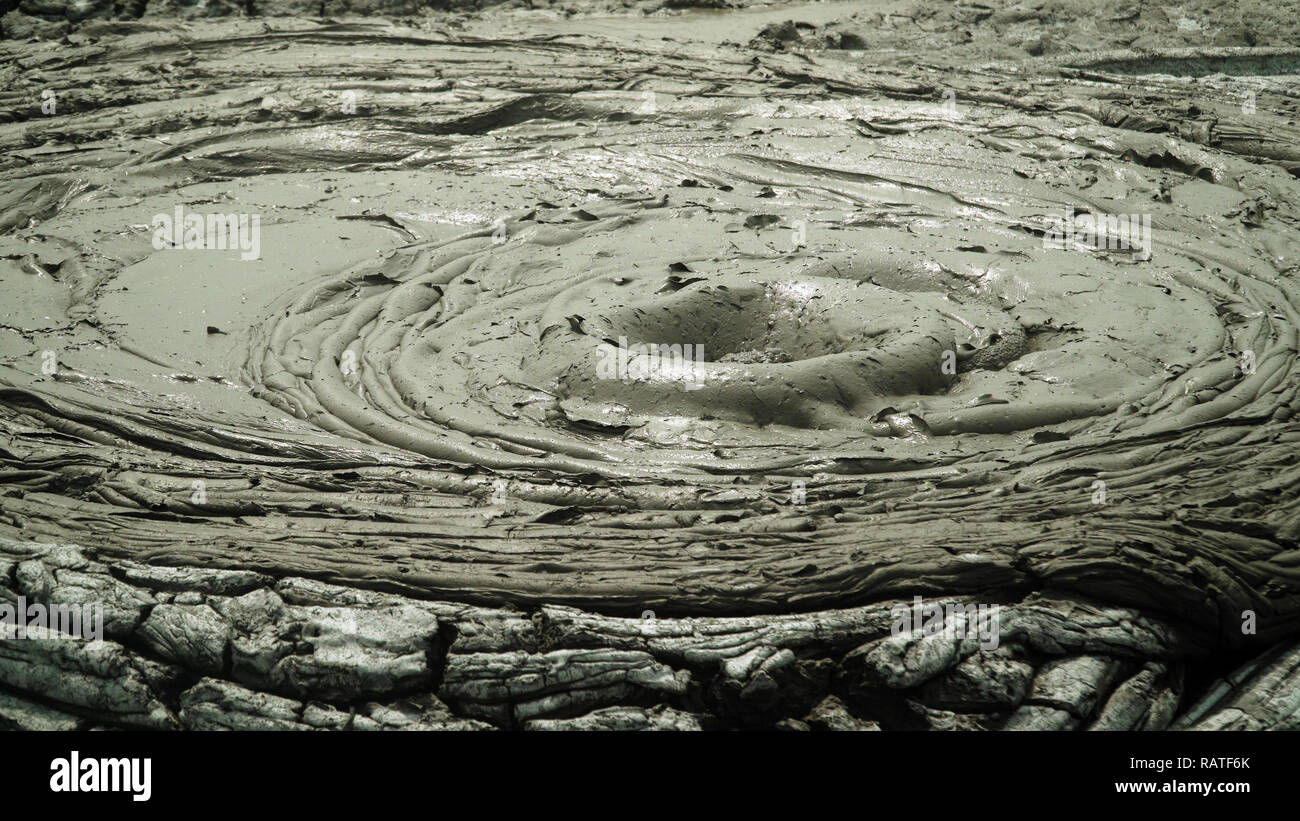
[{"x": 630, "y": 380}]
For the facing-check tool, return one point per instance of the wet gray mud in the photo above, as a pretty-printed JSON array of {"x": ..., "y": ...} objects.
[{"x": 381, "y": 475}]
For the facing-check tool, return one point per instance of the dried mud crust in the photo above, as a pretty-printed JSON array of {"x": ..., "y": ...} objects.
[
  {"x": 409, "y": 511},
  {"x": 198, "y": 649}
]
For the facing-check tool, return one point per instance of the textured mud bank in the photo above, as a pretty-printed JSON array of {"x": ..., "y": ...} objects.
[{"x": 380, "y": 475}]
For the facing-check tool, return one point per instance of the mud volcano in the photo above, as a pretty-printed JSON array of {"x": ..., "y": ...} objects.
[{"x": 1019, "y": 336}]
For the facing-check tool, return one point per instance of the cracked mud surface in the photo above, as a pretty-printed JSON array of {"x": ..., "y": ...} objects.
[{"x": 373, "y": 479}]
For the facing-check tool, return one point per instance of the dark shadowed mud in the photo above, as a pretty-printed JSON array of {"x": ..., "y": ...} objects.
[{"x": 399, "y": 460}]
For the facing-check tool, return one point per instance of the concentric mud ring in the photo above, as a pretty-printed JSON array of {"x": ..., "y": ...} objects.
[{"x": 869, "y": 344}]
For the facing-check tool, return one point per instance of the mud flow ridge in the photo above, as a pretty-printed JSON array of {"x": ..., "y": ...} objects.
[{"x": 523, "y": 342}]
